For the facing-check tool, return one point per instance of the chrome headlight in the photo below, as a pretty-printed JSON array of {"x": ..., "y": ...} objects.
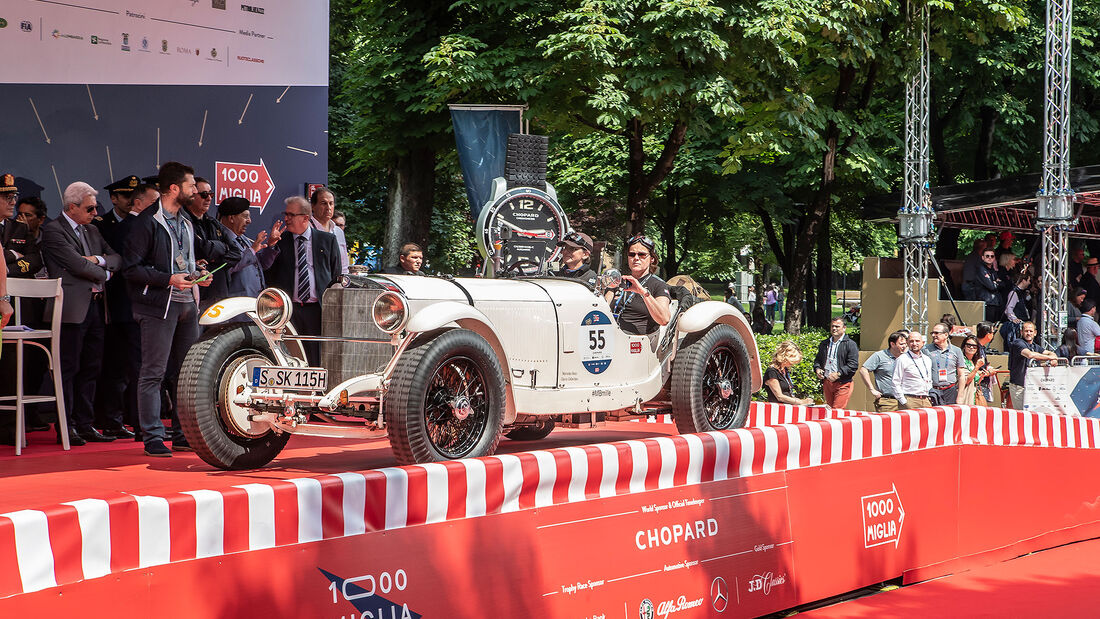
[
  {"x": 390, "y": 312},
  {"x": 273, "y": 308}
]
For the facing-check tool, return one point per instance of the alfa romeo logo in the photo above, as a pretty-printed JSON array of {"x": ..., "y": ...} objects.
[
  {"x": 645, "y": 611},
  {"x": 719, "y": 594}
]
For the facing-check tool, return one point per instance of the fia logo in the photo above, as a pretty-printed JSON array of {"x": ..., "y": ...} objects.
[{"x": 26, "y": 26}]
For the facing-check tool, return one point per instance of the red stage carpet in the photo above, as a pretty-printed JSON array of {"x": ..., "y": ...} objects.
[{"x": 1060, "y": 582}]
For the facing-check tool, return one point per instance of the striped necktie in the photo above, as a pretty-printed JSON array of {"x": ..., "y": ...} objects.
[{"x": 303, "y": 271}]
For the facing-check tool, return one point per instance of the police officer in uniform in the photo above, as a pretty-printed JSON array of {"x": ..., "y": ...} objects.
[
  {"x": 117, "y": 394},
  {"x": 575, "y": 255},
  {"x": 20, "y": 254}
]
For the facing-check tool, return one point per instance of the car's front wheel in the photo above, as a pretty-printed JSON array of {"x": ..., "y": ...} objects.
[
  {"x": 446, "y": 399},
  {"x": 711, "y": 381},
  {"x": 218, "y": 430}
]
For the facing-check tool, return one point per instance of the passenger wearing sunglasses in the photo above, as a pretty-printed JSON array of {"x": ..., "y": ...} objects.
[
  {"x": 641, "y": 303},
  {"x": 575, "y": 253}
]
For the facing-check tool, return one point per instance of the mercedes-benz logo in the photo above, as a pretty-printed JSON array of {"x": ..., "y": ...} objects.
[{"x": 719, "y": 594}]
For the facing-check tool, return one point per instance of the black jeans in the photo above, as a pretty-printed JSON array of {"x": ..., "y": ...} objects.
[{"x": 164, "y": 343}]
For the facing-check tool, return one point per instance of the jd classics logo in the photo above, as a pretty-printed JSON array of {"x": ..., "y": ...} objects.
[{"x": 765, "y": 582}]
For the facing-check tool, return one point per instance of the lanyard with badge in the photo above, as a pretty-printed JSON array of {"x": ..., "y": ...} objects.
[
  {"x": 942, "y": 373},
  {"x": 177, "y": 236},
  {"x": 916, "y": 363},
  {"x": 626, "y": 297}
]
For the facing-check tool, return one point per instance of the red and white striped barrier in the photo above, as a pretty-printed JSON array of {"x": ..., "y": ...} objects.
[{"x": 93, "y": 538}]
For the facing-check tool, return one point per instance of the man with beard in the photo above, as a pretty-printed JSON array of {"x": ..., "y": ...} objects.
[
  {"x": 211, "y": 244},
  {"x": 160, "y": 264}
]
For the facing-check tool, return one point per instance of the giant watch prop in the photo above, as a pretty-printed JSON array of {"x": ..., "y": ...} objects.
[{"x": 521, "y": 224}]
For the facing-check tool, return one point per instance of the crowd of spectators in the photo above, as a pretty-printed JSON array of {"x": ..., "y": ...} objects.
[{"x": 136, "y": 274}]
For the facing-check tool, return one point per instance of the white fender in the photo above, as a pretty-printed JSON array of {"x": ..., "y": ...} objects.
[
  {"x": 224, "y": 310},
  {"x": 468, "y": 317},
  {"x": 702, "y": 315}
]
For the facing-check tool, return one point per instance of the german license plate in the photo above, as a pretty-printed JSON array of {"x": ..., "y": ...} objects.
[{"x": 297, "y": 379}]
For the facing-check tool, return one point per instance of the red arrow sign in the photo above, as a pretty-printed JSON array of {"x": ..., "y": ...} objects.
[
  {"x": 246, "y": 180},
  {"x": 883, "y": 516}
]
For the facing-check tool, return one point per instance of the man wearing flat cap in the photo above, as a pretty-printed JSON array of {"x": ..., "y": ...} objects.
[
  {"x": 576, "y": 251},
  {"x": 21, "y": 254},
  {"x": 246, "y": 278}
]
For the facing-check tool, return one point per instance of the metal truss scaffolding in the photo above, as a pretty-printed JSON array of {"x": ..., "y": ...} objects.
[
  {"x": 915, "y": 232},
  {"x": 1054, "y": 217}
]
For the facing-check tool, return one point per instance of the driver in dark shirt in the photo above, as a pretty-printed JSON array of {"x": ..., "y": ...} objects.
[
  {"x": 642, "y": 302},
  {"x": 409, "y": 261},
  {"x": 575, "y": 254}
]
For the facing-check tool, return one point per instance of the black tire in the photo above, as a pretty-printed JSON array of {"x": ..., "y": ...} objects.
[
  {"x": 542, "y": 428},
  {"x": 204, "y": 413},
  {"x": 705, "y": 364},
  {"x": 434, "y": 382}
]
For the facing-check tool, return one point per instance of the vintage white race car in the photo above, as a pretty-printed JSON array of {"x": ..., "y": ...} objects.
[{"x": 444, "y": 367}]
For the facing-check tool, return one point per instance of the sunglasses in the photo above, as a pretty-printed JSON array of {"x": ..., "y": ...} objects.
[
  {"x": 91, "y": 209},
  {"x": 205, "y": 194},
  {"x": 970, "y": 345},
  {"x": 637, "y": 254}
]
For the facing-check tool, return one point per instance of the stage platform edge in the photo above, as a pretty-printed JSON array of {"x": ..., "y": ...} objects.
[{"x": 737, "y": 523}]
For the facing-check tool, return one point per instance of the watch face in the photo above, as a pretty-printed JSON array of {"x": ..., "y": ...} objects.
[{"x": 526, "y": 224}]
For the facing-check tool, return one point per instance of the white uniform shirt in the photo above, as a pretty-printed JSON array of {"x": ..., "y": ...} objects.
[{"x": 912, "y": 376}]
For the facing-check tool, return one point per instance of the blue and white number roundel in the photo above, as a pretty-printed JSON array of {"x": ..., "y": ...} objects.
[{"x": 597, "y": 342}]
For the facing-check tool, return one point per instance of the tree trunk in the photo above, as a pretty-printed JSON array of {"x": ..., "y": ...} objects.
[
  {"x": 816, "y": 217},
  {"x": 988, "y": 128},
  {"x": 641, "y": 184},
  {"x": 824, "y": 278},
  {"x": 409, "y": 202},
  {"x": 668, "y": 231}
]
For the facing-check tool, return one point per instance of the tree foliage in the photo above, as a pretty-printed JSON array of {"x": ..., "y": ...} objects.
[{"x": 727, "y": 129}]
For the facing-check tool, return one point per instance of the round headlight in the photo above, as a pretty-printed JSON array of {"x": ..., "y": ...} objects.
[
  {"x": 273, "y": 308},
  {"x": 390, "y": 312}
]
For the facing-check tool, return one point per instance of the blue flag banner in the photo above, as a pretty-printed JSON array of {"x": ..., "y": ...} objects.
[{"x": 481, "y": 135}]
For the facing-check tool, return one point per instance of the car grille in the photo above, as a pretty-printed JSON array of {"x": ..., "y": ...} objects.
[{"x": 346, "y": 312}]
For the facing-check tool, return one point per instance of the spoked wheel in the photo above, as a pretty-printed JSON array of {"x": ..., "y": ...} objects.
[
  {"x": 456, "y": 407},
  {"x": 538, "y": 430},
  {"x": 711, "y": 383},
  {"x": 446, "y": 399}
]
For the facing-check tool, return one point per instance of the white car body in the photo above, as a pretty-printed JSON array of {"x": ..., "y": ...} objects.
[{"x": 556, "y": 341}]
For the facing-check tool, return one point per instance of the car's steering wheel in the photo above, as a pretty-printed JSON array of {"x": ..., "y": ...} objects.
[{"x": 519, "y": 264}]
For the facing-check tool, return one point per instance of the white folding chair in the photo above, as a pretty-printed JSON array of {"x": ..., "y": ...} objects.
[{"x": 19, "y": 335}]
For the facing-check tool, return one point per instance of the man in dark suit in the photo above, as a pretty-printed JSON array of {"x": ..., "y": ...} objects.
[
  {"x": 77, "y": 253},
  {"x": 306, "y": 262},
  {"x": 20, "y": 252}
]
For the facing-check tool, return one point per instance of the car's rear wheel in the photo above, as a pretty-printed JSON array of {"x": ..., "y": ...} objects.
[
  {"x": 217, "y": 429},
  {"x": 542, "y": 428},
  {"x": 711, "y": 381},
  {"x": 446, "y": 399}
]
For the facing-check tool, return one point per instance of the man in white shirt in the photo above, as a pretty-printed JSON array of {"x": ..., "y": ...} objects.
[
  {"x": 913, "y": 375},
  {"x": 323, "y": 202}
]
